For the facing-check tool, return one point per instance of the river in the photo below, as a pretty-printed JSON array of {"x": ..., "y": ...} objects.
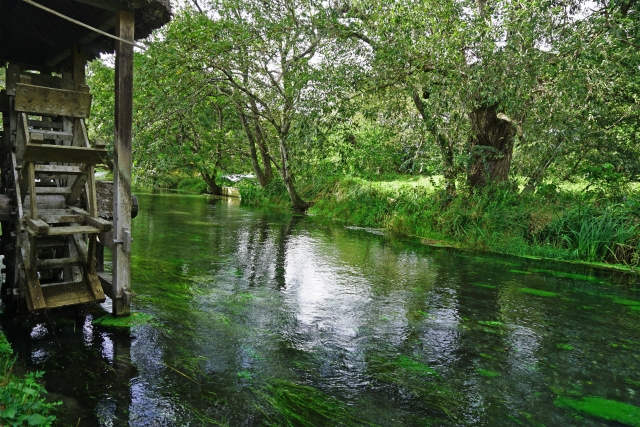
[{"x": 247, "y": 317}]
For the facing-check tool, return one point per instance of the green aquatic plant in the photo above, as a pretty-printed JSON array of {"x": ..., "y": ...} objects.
[
  {"x": 484, "y": 285},
  {"x": 611, "y": 410},
  {"x": 519, "y": 272},
  {"x": 491, "y": 323},
  {"x": 487, "y": 373},
  {"x": 245, "y": 375},
  {"x": 568, "y": 275},
  {"x": 564, "y": 346},
  {"x": 537, "y": 292},
  {"x": 411, "y": 365},
  {"x": 123, "y": 322},
  {"x": 285, "y": 403}
]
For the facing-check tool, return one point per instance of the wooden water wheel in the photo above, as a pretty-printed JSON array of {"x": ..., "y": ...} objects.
[{"x": 50, "y": 236}]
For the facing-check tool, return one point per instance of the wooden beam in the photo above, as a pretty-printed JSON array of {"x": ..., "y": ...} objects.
[
  {"x": 122, "y": 164},
  {"x": 79, "y": 62},
  {"x": 41, "y": 100},
  {"x": 63, "y": 154}
]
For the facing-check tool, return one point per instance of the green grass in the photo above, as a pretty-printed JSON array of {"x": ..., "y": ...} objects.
[
  {"x": 606, "y": 409},
  {"x": 123, "y": 322},
  {"x": 551, "y": 224}
]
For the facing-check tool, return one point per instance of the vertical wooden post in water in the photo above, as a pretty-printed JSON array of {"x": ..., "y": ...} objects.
[{"x": 122, "y": 166}]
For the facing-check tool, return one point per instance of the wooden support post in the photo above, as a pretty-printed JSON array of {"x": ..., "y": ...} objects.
[
  {"x": 79, "y": 62},
  {"x": 122, "y": 165}
]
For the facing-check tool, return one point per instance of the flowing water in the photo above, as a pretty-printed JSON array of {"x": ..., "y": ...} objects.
[{"x": 248, "y": 317}]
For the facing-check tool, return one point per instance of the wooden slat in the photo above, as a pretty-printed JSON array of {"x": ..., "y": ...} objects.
[
  {"x": 65, "y": 295},
  {"x": 107, "y": 283},
  {"x": 65, "y": 170},
  {"x": 36, "y": 300},
  {"x": 63, "y": 154},
  {"x": 45, "y": 124},
  {"x": 52, "y": 102},
  {"x": 13, "y": 78},
  {"x": 48, "y": 264},
  {"x": 99, "y": 223},
  {"x": 58, "y": 216},
  {"x": 72, "y": 229},
  {"x": 53, "y": 190},
  {"x": 51, "y": 134},
  {"x": 77, "y": 185},
  {"x": 37, "y": 226},
  {"x": 95, "y": 287}
]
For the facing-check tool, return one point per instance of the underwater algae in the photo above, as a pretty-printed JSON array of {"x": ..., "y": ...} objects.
[
  {"x": 123, "y": 322},
  {"x": 607, "y": 409},
  {"x": 487, "y": 373},
  {"x": 537, "y": 292}
]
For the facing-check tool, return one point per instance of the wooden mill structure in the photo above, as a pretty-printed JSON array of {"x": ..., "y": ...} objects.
[{"x": 52, "y": 229}]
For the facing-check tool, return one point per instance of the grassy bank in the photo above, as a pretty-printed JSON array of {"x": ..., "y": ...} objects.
[
  {"x": 557, "y": 223},
  {"x": 22, "y": 399}
]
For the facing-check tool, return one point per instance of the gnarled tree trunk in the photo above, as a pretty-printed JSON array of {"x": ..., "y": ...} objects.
[
  {"x": 287, "y": 177},
  {"x": 491, "y": 147}
]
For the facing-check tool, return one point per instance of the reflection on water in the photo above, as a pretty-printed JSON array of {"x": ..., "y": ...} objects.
[{"x": 270, "y": 318}]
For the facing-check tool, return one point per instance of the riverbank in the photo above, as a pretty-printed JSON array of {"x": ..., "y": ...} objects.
[
  {"x": 22, "y": 399},
  {"x": 553, "y": 223}
]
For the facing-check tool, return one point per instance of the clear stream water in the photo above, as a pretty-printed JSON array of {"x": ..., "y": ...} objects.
[{"x": 248, "y": 317}]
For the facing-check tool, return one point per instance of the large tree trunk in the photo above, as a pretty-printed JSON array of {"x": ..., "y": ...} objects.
[
  {"x": 491, "y": 147},
  {"x": 287, "y": 177},
  {"x": 210, "y": 179}
]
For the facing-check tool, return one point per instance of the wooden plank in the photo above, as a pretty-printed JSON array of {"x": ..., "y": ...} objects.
[
  {"x": 66, "y": 170},
  {"x": 78, "y": 184},
  {"x": 52, "y": 263},
  {"x": 13, "y": 79},
  {"x": 22, "y": 137},
  {"x": 53, "y": 190},
  {"x": 101, "y": 224},
  {"x": 122, "y": 162},
  {"x": 33, "y": 199},
  {"x": 63, "y": 154},
  {"x": 51, "y": 134},
  {"x": 79, "y": 62},
  {"x": 66, "y": 295},
  {"x": 45, "y": 124},
  {"x": 37, "y": 226},
  {"x": 72, "y": 229},
  {"x": 34, "y": 291},
  {"x": 62, "y": 215},
  {"x": 5, "y": 208},
  {"x": 19, "y": 189},
  {"x": 107, "y": 283},
  {"x": 52, "y": 102}
]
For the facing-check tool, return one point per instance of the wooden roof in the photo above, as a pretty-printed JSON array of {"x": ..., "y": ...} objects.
[{"x": 37, "y": 38}]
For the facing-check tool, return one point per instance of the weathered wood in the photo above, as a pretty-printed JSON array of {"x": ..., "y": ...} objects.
[
  {"x": 79, "y": 62},
  {"x": 19, "y": 189},
  {"x": 57, "y": 169},
  {"x": 78, "y": 184},
  {"x": 72, "y": 229},
  {"x": 106, "y": 239},
  {"x": 53, "y": 190},
  {"x": 13, "y": 79},
  {"x": 52, "y": 102},
  {"x": 37, "y": 226},
  {"x": 81, "y": 248},
  {"x": 67, "y": 294},
  {"x": 63, "y": 154},
  {"x": 108, "y": 21},
  {"x": 122, "y": 163},
  {"x": 60, "y": 216},
  {"x": 42, "y": 134},
  {"x": 33, "y": 200},
  {"x": 107, "y": 283},
  {"x": 34, "y": 292},
  {"x": 111, "y": 5},
  {"x": 52, "y": 263},
  {"x": 22, "y": 136},
  {"x": 45, "y": 124},
  {"x": 99, "y": 223}
]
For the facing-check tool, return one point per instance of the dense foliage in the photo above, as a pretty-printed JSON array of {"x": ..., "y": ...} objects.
[{"x": 523, "y": 96}]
